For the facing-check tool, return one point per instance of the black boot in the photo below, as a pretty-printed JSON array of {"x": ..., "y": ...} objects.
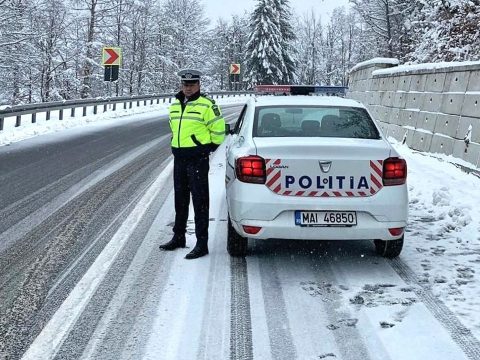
[
  {"x": 198, "y": 251},
  {"x": 178, "y": 241}
]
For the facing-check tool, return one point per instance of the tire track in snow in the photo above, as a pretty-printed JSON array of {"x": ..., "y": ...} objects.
[
  {"x": 281, "y": 341},
  {"x": 120, "y": 297},
  {"x": 51, "y": 337},
  {"x": 240, "y": 318},
  {"x": 462, "y": 336}
]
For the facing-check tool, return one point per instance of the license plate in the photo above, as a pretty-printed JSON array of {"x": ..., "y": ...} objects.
[{"x": 325, "y": 218}]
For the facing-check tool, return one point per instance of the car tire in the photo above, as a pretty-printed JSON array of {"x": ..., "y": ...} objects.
[
  {"x": 389, "y": 248},
  {"x": 237, "y": 245}
]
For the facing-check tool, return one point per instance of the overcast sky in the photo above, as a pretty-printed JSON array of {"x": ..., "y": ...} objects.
[{"x": 225, "y": 8}]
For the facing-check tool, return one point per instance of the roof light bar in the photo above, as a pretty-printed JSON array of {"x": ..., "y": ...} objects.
[{"x": 301, "y": 90}]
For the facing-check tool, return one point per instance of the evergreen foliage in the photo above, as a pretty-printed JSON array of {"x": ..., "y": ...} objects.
[{"x": 264, "y": 48}]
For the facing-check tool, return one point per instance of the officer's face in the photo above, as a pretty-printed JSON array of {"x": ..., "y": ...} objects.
[{"x": 190, "y": 88}]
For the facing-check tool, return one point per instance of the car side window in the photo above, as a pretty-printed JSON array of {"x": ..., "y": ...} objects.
[{"x": 238, "y": 124}]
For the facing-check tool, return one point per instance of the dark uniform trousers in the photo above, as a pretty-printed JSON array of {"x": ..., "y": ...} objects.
[{"x": 191, "y": 176}]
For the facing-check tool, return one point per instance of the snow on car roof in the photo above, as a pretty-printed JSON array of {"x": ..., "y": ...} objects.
[{"x": 306, "y": 100}]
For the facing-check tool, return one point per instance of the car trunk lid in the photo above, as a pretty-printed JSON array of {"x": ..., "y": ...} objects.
[{"x": 323, "y": 167}]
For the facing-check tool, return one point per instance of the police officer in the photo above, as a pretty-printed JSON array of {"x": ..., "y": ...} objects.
[{"x": 198, "y": 128}]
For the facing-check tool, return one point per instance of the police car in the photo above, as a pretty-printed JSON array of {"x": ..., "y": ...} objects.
[{"x": 313, "y": 168}]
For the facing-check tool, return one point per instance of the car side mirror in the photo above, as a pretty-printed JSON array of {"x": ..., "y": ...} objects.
[{"x": 228, "y": 131}]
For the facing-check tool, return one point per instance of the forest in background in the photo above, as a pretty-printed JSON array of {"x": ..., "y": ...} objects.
[{"x": 51, "y": 50}]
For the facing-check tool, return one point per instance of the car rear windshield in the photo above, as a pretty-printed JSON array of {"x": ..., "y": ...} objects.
[{"x": 314, "y": 121}]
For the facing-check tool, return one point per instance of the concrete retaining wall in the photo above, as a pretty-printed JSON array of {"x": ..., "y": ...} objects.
[{"x": 429, "y": 106}]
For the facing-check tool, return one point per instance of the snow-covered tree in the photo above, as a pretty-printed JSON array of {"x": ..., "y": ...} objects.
[
  {"x": 343, "y": 35},
  {"x": 16, "y": 51},
  {"x": 138, "y": 23},
  {"x": 116, "y": 34},
  {"x": 51, "y": 49},
  {"x": 238, "y": 46},
  {"x": 309, "y": 43},
  {"x": 51, "y": 22},
  {"x": 445, "y": 30},
  {"x": 287, "y": 39},
  {"x": 187, "y": 29},
  {"x": 386, "y": 21},
  {"x": 91, "y": 13},
  {"x": 328, "y": 51},
  {"x": 227, "y": 46},
  {"x": 269, "y": 46}
]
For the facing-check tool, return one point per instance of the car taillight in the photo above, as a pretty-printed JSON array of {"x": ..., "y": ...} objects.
[
  {"x": 394, "y": 171},
  {"x": 251, "y": 169}
]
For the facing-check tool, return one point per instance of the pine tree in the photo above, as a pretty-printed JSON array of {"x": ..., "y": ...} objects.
[{"x": 269, "y": 50}]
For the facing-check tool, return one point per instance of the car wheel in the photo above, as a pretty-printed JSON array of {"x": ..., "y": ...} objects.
[
  {"x": 236, "y": 245},
  {"x": 389, "y": 248}
]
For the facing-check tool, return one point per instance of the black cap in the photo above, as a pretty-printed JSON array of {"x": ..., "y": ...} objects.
[{"x": 189, "y": 76}]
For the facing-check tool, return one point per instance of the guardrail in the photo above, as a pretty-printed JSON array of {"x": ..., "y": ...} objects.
[{"x": 128, "y": 101}]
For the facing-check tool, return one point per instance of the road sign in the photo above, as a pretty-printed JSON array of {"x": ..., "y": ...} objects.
[
  {"x": 235, "y": 69},
  {"x": 112, "y": 56},
  {"x": 111, "y": 73}
]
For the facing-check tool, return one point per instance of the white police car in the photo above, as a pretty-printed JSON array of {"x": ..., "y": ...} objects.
[{"x": 313, "y": 168}]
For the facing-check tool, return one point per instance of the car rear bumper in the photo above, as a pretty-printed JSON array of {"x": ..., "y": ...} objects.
[
  {"x": 283, "y": 228},
  {"x": 256, "y": 205}
]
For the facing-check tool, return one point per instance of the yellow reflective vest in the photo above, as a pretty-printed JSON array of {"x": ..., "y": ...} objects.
[{"x": 196, "y": 125}]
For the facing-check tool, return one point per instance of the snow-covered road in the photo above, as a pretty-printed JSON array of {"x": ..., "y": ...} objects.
[{"x": 285, "y": 300}]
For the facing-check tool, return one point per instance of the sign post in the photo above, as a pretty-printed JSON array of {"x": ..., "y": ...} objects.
[{"x": 235, "y": 74}]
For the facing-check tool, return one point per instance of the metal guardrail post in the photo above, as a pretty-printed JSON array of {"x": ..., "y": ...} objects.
[
  {"x": 72, "y": 112},
  {"x": 105, "y": 107},
  {"x": 60, "y": 114},
  {"x": 18, "y": 121},
  {"x": 130, "y": 104},
  {"x": 34, "y": 118},
  {"x": 95, "y": 109},
  {"x": 125, "y": 105},
  {"x": 1, "y": 123},
  {"x": 114, "y": 106},
  {"x": 48, "y": 115},
  {"x": 84, "y": 112}
]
